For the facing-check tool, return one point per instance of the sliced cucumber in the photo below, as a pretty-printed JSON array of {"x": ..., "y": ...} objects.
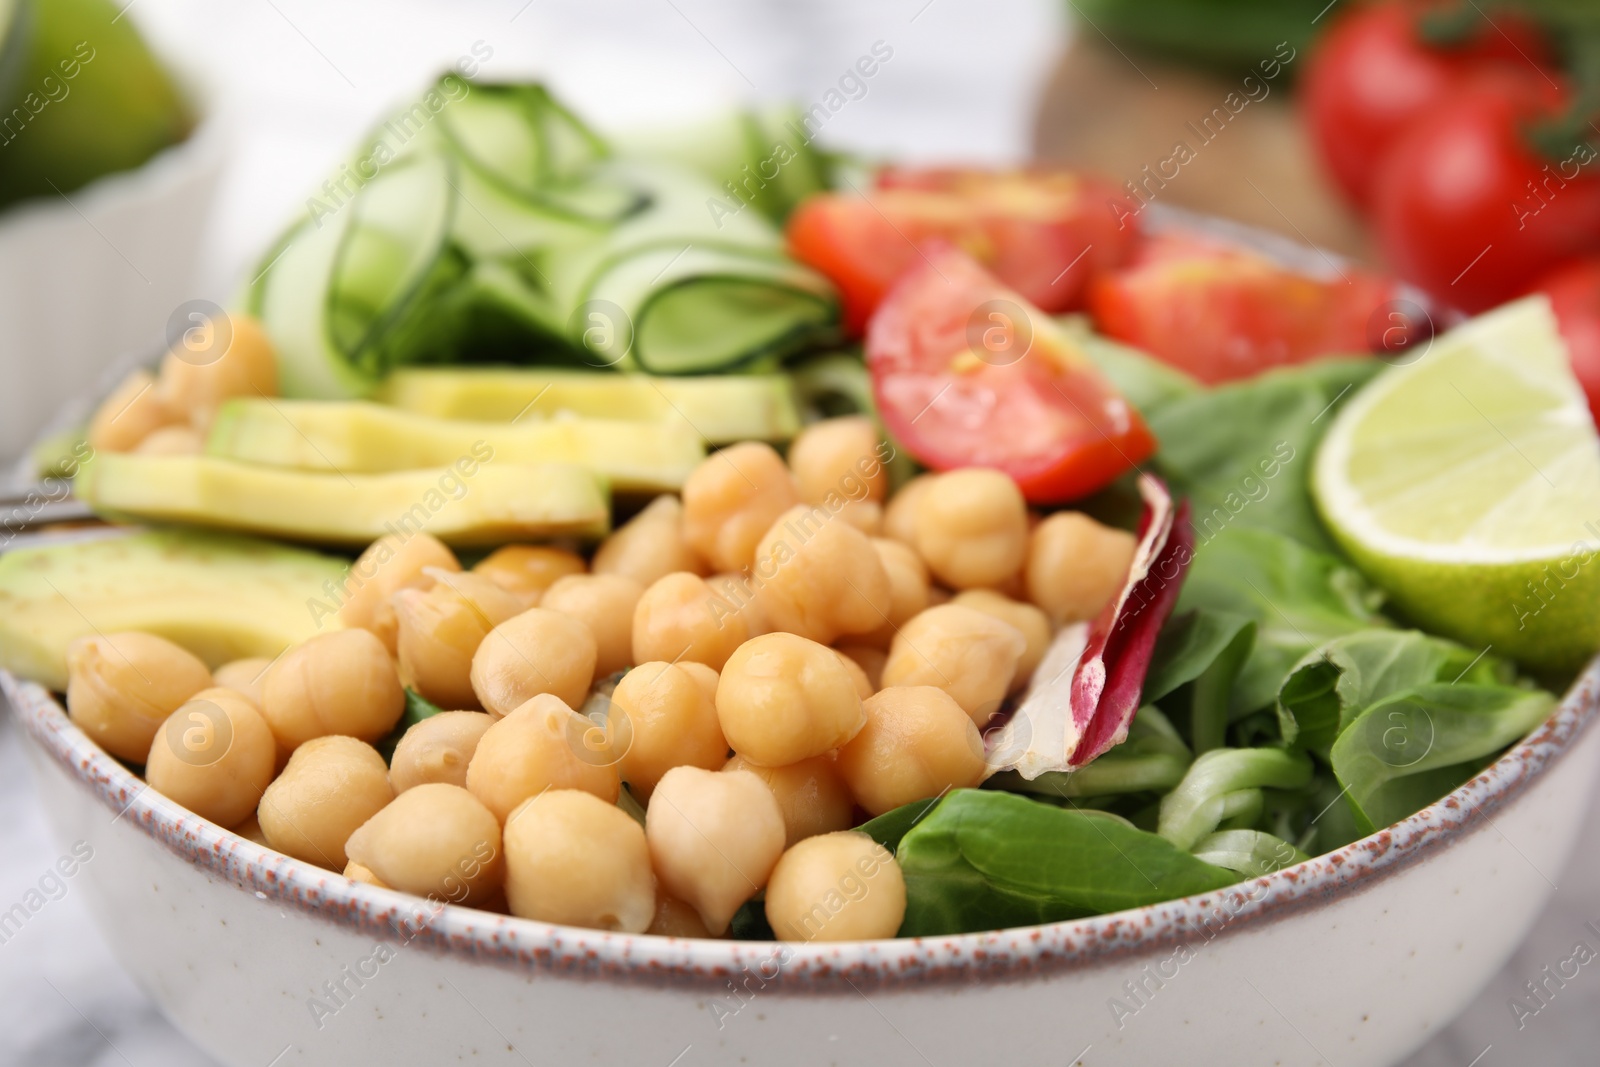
[{"x": 346, "y": 297}]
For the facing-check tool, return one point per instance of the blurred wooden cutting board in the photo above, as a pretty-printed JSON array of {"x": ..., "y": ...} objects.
[{"x": 1116, "y": 112}]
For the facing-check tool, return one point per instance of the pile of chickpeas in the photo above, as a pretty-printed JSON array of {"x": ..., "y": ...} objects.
[{"x": 645, "y": 740}]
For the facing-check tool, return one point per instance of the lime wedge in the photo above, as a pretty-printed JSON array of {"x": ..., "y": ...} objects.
[{"x": 1467, "y": 485}]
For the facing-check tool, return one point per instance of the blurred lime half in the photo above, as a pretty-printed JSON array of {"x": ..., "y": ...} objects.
[{"x": 1468, "y": 486}]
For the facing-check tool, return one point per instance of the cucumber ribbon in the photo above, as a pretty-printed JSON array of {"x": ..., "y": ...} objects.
[{"x": 489, "y": 224}]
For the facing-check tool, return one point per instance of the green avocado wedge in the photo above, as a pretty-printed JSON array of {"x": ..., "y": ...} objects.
[
  {"x": 362, "y": 438},
  {"x": 222, "y": 596},
  {"x": 722, "y": 409},
  {"x": 475, "y": 501},
  {"x": 87, "y": 98}
]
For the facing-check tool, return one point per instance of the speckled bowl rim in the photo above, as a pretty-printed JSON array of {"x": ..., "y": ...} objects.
[{"x": 842, "y": 968}]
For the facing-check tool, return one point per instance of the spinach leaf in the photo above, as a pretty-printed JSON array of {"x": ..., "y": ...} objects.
[
  {"x": 1299, "y": 598},
  {"x": 1224, "y": 784},
  {"x": 1408, "y": 750},
  {"x": 986, "y": 860},
  {"x": 1242, "y": 452},
  {"x": 887, "y": 829},
  {"x": 1333, "y": 684},
  {"x": 1190, "y": 644}
]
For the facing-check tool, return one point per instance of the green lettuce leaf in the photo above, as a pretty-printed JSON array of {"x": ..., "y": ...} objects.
[
  {"x": 987, "y": 860},
  {"x": 1408, "y": 750},
  {"x": 1298, "y": 597}
]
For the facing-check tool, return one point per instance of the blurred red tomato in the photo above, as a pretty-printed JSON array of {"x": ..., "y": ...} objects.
[
  {"x": 1221, "y": 313},
  {"x": 1041, "y": 231},
  {"x": 1466, "y": 209},
  {"x": 1574, "y": 292},
  {"x": 1371, "y": 75}
]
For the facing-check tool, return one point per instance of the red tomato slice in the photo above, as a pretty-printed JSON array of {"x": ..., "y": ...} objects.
[
  {"x": 1221, "y": 313},
  {"x": 967, "y": 374},
  {"x": 1042, "y": 231},
  {"x": 1574, "y": 292}
]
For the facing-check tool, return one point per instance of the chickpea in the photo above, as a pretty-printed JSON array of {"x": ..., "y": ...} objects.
[
  {"x": 662, "y": 718},
  {"x": 863, "y": 684},
  {"x": 357, "y": 873},
  {"x": 649, "y": 546},
  {"x": 972, "y": 528},
  {"x": 918, "y": 743},
  {"x": 820, "y": 578},
  {"x": 900, "y": 513},
  {"x": 575, "y": 859},
  {"x": 538, "y": 651},
  {"x": 1076, "y": 565},
  {"x": 528, "y": 570},
  {"x": 132, "y": 412},
  {"x": 704, "y": 676},
  {"x": 837, "y": 887},
  {"x": 908, "y": 588},
  {"x": 539, "y": 746},
  {"x": 341, "y": 682},
  {"x": 732, "y": 499},
  {"x": 834, "y": 456},
  {"x": 714, "y": 838},
  {"x": 243, "y": 676},
  {"x": 674, "y": 918},
  {"x": 869, "y": 659},
  {"x": 605, "y": 603},
  {"x": 741, "y": 592},
  {"x": 441, "y": 628},
  {"x": 330, "y": 786},
  {"x": 171, "y": 441},
  {"x": 389, "y": 564},
  {"x": 1030, "y": 622},
  {"x": 196, "y": 379},
  {"x": 438, "y": 749},
  {"x": 810, "y": 794},
  {"x": 214, "y": 756},
  {"x": 970, "y": 655},
  {"x": 680, "y": 617},
  {"x": 122, "y": 686},
  {"x": 435, "y": 840},
  {"x": 782, "y": 699}
]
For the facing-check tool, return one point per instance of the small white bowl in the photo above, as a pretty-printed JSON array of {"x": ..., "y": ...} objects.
[
  {"x": 96, "y": 273},
  {"x": 1353, "y": 958}
]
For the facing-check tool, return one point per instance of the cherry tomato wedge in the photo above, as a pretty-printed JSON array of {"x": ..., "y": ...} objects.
[
  {"x": 1371, "y": 74},
  {"x": 1221, "y": 312},
  {"x": 967, "y": 373},
  {"x": 1042, "y": 231},
  {"x": 1574, "y": 292}
]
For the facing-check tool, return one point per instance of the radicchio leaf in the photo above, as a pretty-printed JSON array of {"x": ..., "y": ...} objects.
[{"x": 1062, "y": 724}]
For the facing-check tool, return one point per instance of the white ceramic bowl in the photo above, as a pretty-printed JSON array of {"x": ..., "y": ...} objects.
[
  {"x": 1352, "y": 958},
  {"x": 127, "y": 244}
]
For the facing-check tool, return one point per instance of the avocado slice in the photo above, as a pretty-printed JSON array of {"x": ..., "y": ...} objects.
[
  {"x": 88, "y": 99},
  {"x": 221, "y": 596},
  {"x": 364, "y": 438},
  {"x": 475, "y": 501},
  {"x": 722, "y": 409}
]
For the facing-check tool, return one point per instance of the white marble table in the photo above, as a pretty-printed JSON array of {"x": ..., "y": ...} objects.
[{"x": 303, "y": 77}]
